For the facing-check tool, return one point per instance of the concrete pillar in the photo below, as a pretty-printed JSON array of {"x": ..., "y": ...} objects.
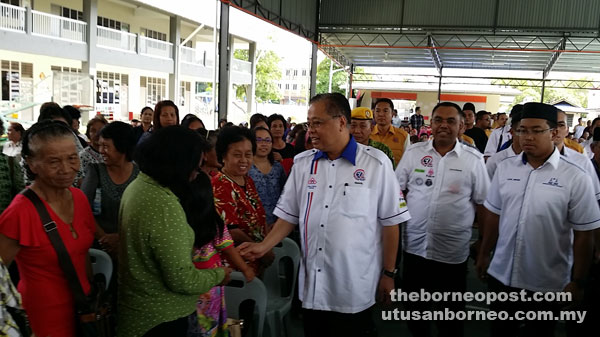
[
  {"x": 90, "y": 16},
  {"x": 28, "y": 20},
  {"x": 252, "y": 89},
  {"x": 313, "y": 71},
  {"x": 175, "y": 39},
  {"x": 224, "y": 61}
]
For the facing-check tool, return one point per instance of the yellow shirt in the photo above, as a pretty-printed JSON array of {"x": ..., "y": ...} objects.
[
  {"x": 468, "y": 139},
  {"x": 488, "y": 132},
  {"x": 573, "y": 145},
  {"x": 396, "y": 139}
]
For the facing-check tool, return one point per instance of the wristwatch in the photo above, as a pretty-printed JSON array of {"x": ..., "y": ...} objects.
[{"x": 388, "y": 273}]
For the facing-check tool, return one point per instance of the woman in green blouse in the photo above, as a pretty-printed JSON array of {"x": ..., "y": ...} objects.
[{"x": 158, "y": 283}]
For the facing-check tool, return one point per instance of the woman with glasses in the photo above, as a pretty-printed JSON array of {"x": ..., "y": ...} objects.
[
  {"x": 267, "y": 174},
  {"x": 282, "y": 151}
]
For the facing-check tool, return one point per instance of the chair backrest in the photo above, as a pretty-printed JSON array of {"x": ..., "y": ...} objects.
[
  {"x": 101, "y": 264},
  {"x": 238, "y": 291},
  {"x": 280, "y": 277}
]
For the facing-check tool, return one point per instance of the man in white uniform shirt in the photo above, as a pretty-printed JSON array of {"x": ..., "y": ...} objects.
[
  {"x": 586, "y": 145},
  {"x": 498, "y": 137},
  {"x": 446, "y": 182},
  {"x": 513, "y": 149},
  {"x": 347, "y": 203},
  {"x": 542, "y": 211}
]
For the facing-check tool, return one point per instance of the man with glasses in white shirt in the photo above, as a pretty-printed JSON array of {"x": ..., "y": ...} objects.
[
  {"x": 542, "y": 211},
  {"x": 347, "y": 204},
  {"x": 446, "y": 182}
]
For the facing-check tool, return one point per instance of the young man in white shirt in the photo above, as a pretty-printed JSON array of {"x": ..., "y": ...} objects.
[
  {"x": 542, "y": 211},
  {"x": 446, "y": 182},
  {"x": 347, "y": 204}
]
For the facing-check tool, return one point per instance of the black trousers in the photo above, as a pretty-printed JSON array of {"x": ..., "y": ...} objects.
[
  {"x": 319, "y": 323},
  {"x": 515, "y": 328},
  {"x": 432, "y": 276},
  {"x": 174, "y": 328}
]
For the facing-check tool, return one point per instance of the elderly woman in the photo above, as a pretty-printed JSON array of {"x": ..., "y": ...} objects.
[
  {"x": 12, "y": 148},
  {"x": 267, "y": 174},
  {"x": 91, "y": 154},
  {"x": 51, "y": 162},
  {"x": 104, "y": 183},
  {"x": 158, "y": 282},
  {"x": 166, "y": 113},
  {"x": 236, "y": 197}
]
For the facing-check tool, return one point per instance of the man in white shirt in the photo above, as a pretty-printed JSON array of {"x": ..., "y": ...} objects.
[
  {"x": 446, "y": 182},
  {"x": 578, "y": 130},
  {"x": 513, "y": 149},
  {"x": 586, "y": 145},
  {"x": 542, "y": 211},
  {"x": 347, "y": 204},
  {"x": 499, "y": 136}
]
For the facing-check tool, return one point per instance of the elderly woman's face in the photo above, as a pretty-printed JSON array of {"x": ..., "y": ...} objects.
[
  {"x": 94, "y": 133},
  {"x": 54, "y": 162},
  {"x": 238, "y": 159},
  {"x": 109, "y": 152}
]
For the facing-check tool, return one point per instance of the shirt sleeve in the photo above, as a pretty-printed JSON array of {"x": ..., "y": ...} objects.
[
  {"x": 224, "y": 241},
  {"x": 491, "y": 165},
  {"x": 174, "y": 258},
  {"x": 591, "y": 172},
  {"x": 90, "y": 183},
  {"x": 288, "y": 206},
  {"x": 492, "y": 144},
  {"x": 19, "y": 221},
  {"x": 493, "y": 201},
  {"x": 391, "y": 206},
  {"x": 583, "y": 213},
  {"x": 481, "y": 182},
  {"x": 403, "y": 172}
]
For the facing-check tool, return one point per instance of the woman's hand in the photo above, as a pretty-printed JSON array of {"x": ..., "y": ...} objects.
[
  {"x": 227, "y": 277},
  {"x": 110, "y": 242},
  {"x": 248, "y": 274},
  {"x": 277, "y": 156}
]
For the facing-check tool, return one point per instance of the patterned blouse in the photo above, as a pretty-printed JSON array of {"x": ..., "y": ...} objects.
[
  {"x": 269, "y": 187},
  {"x": 88, "y": 156},
  {"x": 240, "y": 206},
  {"x": 9, "y": 297}
]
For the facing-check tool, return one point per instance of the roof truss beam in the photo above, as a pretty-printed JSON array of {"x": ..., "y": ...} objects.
[
  {"x": 435, "y": 56},
  {"x": 555, "y": 56}
]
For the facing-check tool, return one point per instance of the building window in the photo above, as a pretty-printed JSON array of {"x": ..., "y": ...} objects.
[
  {"x": 11, "y": 2},
  {"x": 279, "y": 85},
  {"x": 113, "y": 24},
  {"x": 295, "y": 87},
  {"x": 17, "y": 80},
  {"x": 303, "y": 72},
  {"x": 295, "y": 72},
  {"x": 155, "y": 89},
  {"x": 187, "y": 44},
  {"x": 108, "y": 87},
  {"x": 152, "y": 34},
  {"x": 66, "y": 12},
  {"x": 287, "y": 86},
  {"x": 287, "y": 72},
  {"x": 184, "y": 92},
  {"x": 67, "y": 84}
]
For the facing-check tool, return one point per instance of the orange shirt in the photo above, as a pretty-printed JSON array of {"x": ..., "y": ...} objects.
[
  {"x": 468, "y": 139},
  {"x": 396, "y": 139},
  {"x": 573, "y": 145}
]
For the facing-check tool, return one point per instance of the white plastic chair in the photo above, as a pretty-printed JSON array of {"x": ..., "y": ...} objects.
[
  {"x": 101, "y": 264},
  {"x": 238, "y": 291},
  {"x": 280, "y": 279}
]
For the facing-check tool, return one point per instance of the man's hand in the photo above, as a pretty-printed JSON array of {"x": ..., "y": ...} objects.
[
  {"x": 252, "y": 251},
  {"x": 227, "y": 277},
  {"x": 386, "y": 285},
  {"x": 481, "y": 266}
]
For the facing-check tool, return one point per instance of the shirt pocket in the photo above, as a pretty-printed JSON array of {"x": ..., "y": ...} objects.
[{"x": 356, "y": 202}]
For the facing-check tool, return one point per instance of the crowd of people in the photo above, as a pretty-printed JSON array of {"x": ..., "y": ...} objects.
[{"x": 363, "y": 193}]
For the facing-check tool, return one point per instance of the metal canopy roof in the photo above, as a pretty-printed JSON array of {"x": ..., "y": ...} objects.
[{"x": 531, "y": 35}]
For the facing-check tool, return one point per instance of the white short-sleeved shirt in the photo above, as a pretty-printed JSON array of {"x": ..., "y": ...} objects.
[
  {"x": 582, "y": 161},
  {"x": 539, "y": 209},
  {"x": 341, "y": 207},
  {"x": 496, "y": 158},
  {"x": 442, "y": 194},
  {"x": 497, "y": 138}
]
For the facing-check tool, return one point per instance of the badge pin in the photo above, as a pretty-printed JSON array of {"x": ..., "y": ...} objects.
[{"x": 428, "y": 182}]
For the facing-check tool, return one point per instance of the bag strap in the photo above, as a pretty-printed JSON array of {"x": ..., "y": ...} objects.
[
  {"x": 64, "y": 259},
  {"x": 11, "y": 172}
]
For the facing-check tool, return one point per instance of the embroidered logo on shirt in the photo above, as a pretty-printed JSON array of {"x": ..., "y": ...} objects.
[
  {"x": 430, "y": 173},
  {"x": 553, "y": 182},
  {"x": 428, "y": 182},
  {"x": 427, "y": 161},
  {"x": 312, "y": 183},
  {"x": 419, "y": 181},
  {"x": 359, "y": 175}
]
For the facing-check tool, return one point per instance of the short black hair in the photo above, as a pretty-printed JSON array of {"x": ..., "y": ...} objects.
[
  {"x": 469, "y": 106},
  {"x": 72, "y": 111},
  {"x": 256, "y": 118},
  {"x": 597, "y": 119},
  {"x": 448, "y": 104},
  {"x": 135, "y": 120},
  {"x": 122, "y": 136},
  {"x": 501, "y": 113},
  {"x": 233, "y": 134},
  {"x": 189, "y": 119},
  {"x": 52, "y": 111},
  {"x": 480, "y": 114},
  {"x": 335, "y": 104},
  {"x": 18, "y": 128},
  {"x": 276, "y": 117},
  {"x": 144, "y": 109},
  {"x": 42, "y": 132},
  {"x": 418, "y": 108},
  {"x": 385, "y": 100}
]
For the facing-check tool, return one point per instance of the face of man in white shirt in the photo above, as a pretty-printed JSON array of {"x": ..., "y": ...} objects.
[
  {"x": 326, "y": 131},
  {"x": 383, "y": 114},
  {"x": 502, "y": 118},
  {"x": 561, "y": 128},
  {"x": 445, "y": 125},
  {"x": 536, "y": 137}
]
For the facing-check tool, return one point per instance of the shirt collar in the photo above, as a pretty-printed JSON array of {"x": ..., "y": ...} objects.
[
  {"x": 552, "y": 160},
  {"x": 349, "y": 152},
  {"x": 456, "y": 149},
  {"x": 392, "y": 129}
]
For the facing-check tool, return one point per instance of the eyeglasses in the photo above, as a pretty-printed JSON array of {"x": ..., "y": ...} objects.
[
  {"x": 263, "y": 140},
  {"x": 449, "y": 121},
  {"x": 533, "y": 132},
  {"x": 316, "y": 124}
]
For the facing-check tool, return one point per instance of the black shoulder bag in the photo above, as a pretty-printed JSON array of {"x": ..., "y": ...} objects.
[{"x": 92, "y": 313}]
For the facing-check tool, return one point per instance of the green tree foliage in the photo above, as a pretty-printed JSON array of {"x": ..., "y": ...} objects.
[
  {"x": 267, "y": 75},
  {"x": 339, "y": 78},
  {"x": 577, "y": 97}
]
